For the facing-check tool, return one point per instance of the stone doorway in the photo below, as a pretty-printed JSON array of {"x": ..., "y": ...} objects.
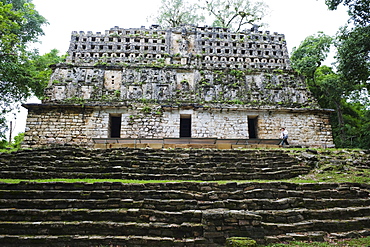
[
  {"x": 185, "y": 125},
  {"x": 115, "y": 126},
  {"x": 252, "y": 127}
]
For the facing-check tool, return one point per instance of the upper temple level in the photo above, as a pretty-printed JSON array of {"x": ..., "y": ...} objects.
[{"x": 186, "y": 46}]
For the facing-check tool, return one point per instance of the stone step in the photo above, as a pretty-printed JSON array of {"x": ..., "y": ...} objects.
[
  {"x": 297, "y": 215},
  {"x": 153, "y": 167},
  {"x": 113, "y": 215},
  {"x": 236, "y": 194},
  {"x": 239, "y": 158},
  {"x": 98, "y": 240},
  {"x": 317, "y": 236},
  {"x": 184, "y": 204},
  {"x": 350, "y": 234},
  {"x": 95, "y": 194},
  {"x": 185, "y": 186},
  {"x": 102, "y": 166},
  {"x": 198, "y": 175},
  {"x": 329, "y": 225},
  {"x": 185, "y": 190},
  {"x": 108, "y": 228}
]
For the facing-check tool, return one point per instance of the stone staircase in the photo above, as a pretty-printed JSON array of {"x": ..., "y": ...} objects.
[
  {"x": 151, "y": 164},
  {"x": 179, "y": 214}
]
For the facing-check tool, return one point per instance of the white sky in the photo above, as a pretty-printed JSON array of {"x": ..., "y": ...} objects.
[{"x": 297, "y": 19}]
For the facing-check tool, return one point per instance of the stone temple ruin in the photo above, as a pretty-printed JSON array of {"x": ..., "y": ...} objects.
[{"x": 185, "y": 82}]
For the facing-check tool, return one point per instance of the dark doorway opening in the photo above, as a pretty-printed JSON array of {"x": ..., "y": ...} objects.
[
  {"x": 185, "y": 125},
  {"x": 115, "y": 126},
  {"x": 252, "y": 127}
]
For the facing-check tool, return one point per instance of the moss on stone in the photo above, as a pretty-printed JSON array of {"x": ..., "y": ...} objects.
[{"x": 240, "y": 242}]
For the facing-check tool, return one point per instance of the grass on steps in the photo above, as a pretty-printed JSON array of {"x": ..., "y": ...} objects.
[
  {"x": 315, "y": 176},
  {"x": 357, "y": 242}
]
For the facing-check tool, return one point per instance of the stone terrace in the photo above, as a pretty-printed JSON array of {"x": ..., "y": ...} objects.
[
  {"x": 179, "y": 214},
  {"x": 176, "y": 213},
  {"x": 172, "y": 164}
]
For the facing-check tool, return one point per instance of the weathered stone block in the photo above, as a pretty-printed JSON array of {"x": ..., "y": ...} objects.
[
  {"x": 100, "y": 145},
  {"x": 223, "y": 146}
]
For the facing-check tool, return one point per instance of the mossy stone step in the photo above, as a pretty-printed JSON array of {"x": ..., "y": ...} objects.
[
  {"x": 329, "y": 225},
  {"x": 98, "y": 240},
  {"x": 113, "y": 215},
  {"x": 301, "y": 214},
  {"x": 108, "y": 228}
]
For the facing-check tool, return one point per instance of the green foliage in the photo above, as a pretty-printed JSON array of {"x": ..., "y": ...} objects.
[
  {"x": 354, "y": 55},
  {"x": 332, "y": 90},
  {"x": 117, "y": 93},
  {"x": 359, "y": 10},
  {"x": 357, "y": 242},
  {"x": 235, "y": 14},
  {"x": 310, "y": 54},
  {"x": 40, "y": 70},
  {"x": 239, "y": 74},
  {"x": 240, "y": 242},
  {"x": 78, "y": 100},
  {"x": 354, "y": 70},
  {"x": 353, "y": 43},
  {"x": 173, "y": 13},
  {"x": 13, "y": 146},
  {"x": 20, "y": 25},
  {"x": 146, "y": 110}
]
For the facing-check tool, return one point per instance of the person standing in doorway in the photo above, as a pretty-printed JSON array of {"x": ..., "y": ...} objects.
[{"x": 284, "y": 137}]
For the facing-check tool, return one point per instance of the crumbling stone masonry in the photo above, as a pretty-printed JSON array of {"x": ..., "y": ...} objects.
[{"x": 199, "y": 82}]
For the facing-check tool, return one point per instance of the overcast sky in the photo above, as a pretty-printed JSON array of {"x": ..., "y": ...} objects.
[{"x": 297, "y": 19}]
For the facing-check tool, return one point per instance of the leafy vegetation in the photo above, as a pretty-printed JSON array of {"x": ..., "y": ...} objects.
[
  {"x": 359, "y": 10},
  {"x": 22, "y": 72},
  {"x": 234, "y": 14},
  {"x": 334, "y": 90},
  {"x": 358, "y": 242},
  {"x": 13, "y": 146},
  {"x": 173, "y": 13}
]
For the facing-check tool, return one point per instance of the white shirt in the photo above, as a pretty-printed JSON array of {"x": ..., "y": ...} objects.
[{"x": 284, "y": 134}]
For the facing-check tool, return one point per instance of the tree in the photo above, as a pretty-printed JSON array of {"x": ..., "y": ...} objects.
[
  {"x": 359, "y": 10},
  {"x": 28, "y": 78},
  {"x": 353, "y": 43},
  {"x": 332, "y": 90},
  {"x": 354, "y": 67},
  {"x": 41, "y": 71},
  {"x": 354, "y": 55},
  {"x": 235, "y": 14},
  {"x": 20, "y": 25},
  {"x": 173, "y": 13},
  {"x": 310, "y": 54}
]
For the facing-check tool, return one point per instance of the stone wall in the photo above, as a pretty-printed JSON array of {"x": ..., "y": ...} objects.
[
  {"x": 79, "y": 124},
  {"x": 207, "y": 47},
  {"x": 171, "y": 85},
  {"x": 187, "y": 64},
  {"x": 57, "y": 126}
]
